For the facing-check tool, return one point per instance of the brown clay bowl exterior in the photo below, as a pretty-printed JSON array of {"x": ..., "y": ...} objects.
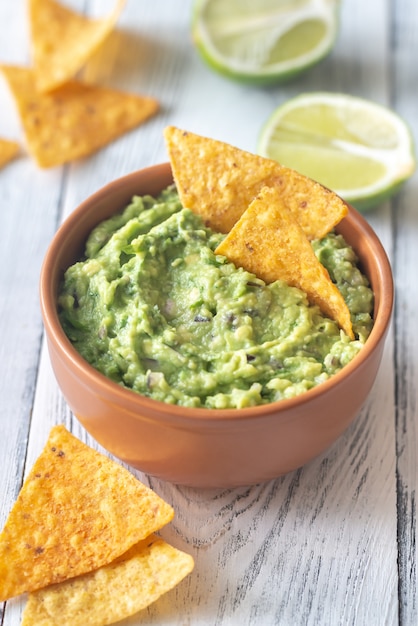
[{"x": 207, "y": 447}]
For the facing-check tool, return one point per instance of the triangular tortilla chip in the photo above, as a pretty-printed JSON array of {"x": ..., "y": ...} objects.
[
  {"x": 114, "y": 592},
  {"x": 74, "y": 120},
  {"x": 62, "y": 40},
  {"x": 8, "y": 151},
  {"x": 77, "y": 510},
  {"x": 269, "y": 242},
  {"x": 218, "y": 181}
]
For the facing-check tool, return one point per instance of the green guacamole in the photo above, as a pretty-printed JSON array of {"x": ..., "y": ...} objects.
[{"x": 153, "y": 308}]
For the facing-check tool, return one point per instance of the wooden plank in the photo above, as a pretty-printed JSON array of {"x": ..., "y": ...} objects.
[
  {"x": 28, "y": 220},
  {"x": 405, "y": 74}
]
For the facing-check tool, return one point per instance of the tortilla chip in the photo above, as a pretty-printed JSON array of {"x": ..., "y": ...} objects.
[
  {"x": 75, "y": 120},
  {"x": 77, "y": 510},
  {"x": 218, "y": 181},
  {"x": 269, "y": 242},
  {"x": 62, "y": 40},
  {"x": 114, "y": 592},
  {"x": 8, "y": 151}
]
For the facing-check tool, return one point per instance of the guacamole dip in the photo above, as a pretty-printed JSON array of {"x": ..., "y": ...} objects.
[{"x": 153, "y": 308}]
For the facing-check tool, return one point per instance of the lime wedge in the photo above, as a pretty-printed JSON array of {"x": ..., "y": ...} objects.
[
  {"x": 359, "y": 149},
  {"x": 264, "y": 41}
]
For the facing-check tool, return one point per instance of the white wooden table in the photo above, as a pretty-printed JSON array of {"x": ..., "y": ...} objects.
[{"x": 333, "y": 543}]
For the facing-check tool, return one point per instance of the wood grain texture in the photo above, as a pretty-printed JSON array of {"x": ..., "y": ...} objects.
[
  {"x": 333, "y": 543},
  {"x": 404, "y": 76}
]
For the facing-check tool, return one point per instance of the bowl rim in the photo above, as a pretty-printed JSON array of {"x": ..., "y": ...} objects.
[{"x": 109, "y": 388}]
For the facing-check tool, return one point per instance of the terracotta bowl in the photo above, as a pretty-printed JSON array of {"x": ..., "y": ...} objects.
[{"x": 207, "y": 447}]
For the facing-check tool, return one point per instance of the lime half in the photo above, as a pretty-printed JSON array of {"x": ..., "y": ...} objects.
[
  {"x": 359, "y": 149},
  {"x": 264, "y": 41}
]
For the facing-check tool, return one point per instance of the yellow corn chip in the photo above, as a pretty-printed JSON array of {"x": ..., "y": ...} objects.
[
  {"x": 75, "y": 120},
  {"x": 77, "y": 510},
  {"x": 62, "y": 40},
  {"x": 8, "y": 151},
  {"x": 116, "y": 591},
  {"x": 218, "y": 181},
  {"x": 269, "y": 242}
]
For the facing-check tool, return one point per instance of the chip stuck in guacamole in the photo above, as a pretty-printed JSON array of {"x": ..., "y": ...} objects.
[{"x": 156, "y": 310}]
